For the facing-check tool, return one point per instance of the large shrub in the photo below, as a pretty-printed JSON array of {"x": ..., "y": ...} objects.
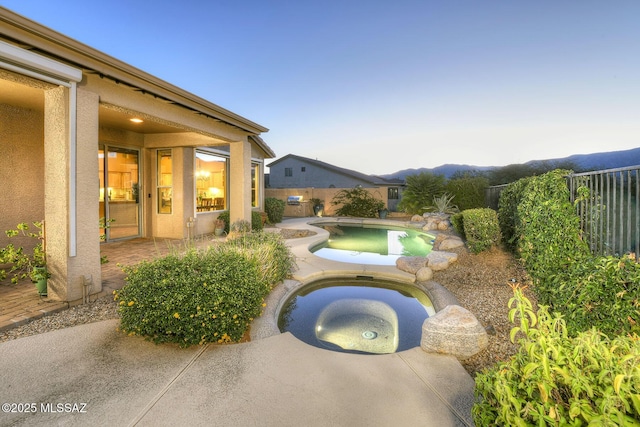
[
  {"x": 468, "y": 191},
  {"x": 598, "y": 291},
  {"x": 548, "y": 230},
  {"x": 479, "y": 227},
  {"x": 356, "y": 202},
  {"x": 556, "y": 379},
  {"x": 419, "y": 192},
  {"x": 544, "y": 229},
  {"x": 274, "y": 209},
  {"x": 203, "y": 296}
]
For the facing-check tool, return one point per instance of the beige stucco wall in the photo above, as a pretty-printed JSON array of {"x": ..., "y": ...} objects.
[
  {"x": 324, "y": 194},
  {"x": 22, "y": 170}
]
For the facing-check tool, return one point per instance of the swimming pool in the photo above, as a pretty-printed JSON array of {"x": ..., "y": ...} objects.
[
  {"x": 363, "y": 315},
  {"x": 372, "y": 244}
]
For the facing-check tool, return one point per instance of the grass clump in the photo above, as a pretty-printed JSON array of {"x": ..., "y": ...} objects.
[{"x": 203, "y": 296}]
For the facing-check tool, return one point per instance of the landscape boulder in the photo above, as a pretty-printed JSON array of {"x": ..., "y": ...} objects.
[
  {"x": 411, "y": 264},
  {"x": 455, "y": 331},
  {"x": 438, "y": 260}
]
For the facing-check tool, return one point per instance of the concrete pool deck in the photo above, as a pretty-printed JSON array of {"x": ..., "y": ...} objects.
[{"x": 274, "y": 380}]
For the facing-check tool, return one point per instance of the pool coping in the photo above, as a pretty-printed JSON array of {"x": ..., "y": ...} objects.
[{"x": 311, "y": 268}]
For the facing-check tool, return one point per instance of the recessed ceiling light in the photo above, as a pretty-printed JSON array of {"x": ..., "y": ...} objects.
[{"x": 136, "y": 120}]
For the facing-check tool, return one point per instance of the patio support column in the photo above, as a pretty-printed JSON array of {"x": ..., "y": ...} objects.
[
  {"x": 69, "y": 273},
  {"x": 240, "y": 181}
]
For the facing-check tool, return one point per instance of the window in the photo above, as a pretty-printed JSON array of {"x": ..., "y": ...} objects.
[
  {"x": 392, "y": 193},
  {"x": 303, "y": 169},
  {"x": 165, "y": 181},
  {"x": 288, "y": 171},
  {"x": 211, "y": 182},
  {"x": 255, "y": 185}
]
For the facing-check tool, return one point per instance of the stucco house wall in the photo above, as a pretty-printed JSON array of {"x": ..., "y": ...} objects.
[{"x": 60, "y": 102}]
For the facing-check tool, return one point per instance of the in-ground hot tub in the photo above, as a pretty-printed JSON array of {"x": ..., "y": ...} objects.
[{"x": 363, "y": 315}]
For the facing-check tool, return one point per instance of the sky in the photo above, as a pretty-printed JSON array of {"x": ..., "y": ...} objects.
[{"x": 380, "y": 86}]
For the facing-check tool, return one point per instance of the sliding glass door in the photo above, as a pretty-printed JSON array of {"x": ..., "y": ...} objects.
[{"x": 119, "y": 174}]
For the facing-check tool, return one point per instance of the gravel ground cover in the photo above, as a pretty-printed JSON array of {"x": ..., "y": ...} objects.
[{"x": 480, "y": 282}]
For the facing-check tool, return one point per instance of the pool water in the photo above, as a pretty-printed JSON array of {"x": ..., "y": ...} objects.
[
  {"x": 372, "y": 244},
  {"x": 357, "y": 316}
]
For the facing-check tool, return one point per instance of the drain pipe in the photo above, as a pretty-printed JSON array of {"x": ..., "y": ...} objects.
[{"x": 73, "y": 171}]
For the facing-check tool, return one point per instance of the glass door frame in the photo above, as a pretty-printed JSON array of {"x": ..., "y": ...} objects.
[{"x": 105, "y": 193}]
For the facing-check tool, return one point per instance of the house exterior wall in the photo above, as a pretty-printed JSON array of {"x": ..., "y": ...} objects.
[
  {"x": 312, "y": 176},
  {"x": 50, "y": 170},
  {"x": 22, "y": 170}
]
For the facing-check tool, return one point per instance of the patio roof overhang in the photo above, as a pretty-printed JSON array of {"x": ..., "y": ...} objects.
[{"x": 30, "y": 36}]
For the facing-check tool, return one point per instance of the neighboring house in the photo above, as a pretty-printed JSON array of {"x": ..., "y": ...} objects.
[
  {"x": 293, "y": 171},
  {"x": 86, "y": 136}
]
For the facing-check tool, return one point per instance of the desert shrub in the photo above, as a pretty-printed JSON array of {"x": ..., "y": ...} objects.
[
  {"x": 256, "y": 221},
  {"x": 598, "y": 291},
  {"x": 202, "y": 296},
  {"x": 356, "y": 202},
  {"x": 586, "y": 289},
  {"x": 480, "y": 228},
  {"x": 468, "y": 192},
  {"x": 545, "y": 229},
  {"x": 419, "y": 192},
  {"x": 510, "y": 198},
  {"x": 556, "y": 379},
  {"x": 274, "y": 209},
  {"x": 457, "y": 222}
]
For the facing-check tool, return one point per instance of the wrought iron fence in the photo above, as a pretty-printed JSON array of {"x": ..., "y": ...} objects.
[{"x": 607, "y": 204}]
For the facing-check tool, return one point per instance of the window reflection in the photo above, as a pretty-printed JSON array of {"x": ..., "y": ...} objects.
[{"x": 211, "y": 182}]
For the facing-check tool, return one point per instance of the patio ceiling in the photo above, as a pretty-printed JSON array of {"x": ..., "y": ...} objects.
[{"x": 12, "y": 93}]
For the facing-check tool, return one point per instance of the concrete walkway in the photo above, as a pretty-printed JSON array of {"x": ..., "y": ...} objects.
[
  {"x": 117, "y": 380},
  {"x": 94, "y": 375}
]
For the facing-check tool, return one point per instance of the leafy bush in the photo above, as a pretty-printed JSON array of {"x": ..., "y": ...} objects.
[
  {"x": 544, "y": 229},
  {"x": 203, "y": 296},
  {"x": 480, "y": 228},
  {"x": 256, "y": 221},
  {"x": 555, "y": 379},
  {"x": 468, "y": 191},
  {"x": 274, "y": 209},
  {"x": 357, "y": 202},
  {"x": 589, "y": 292},
  {"x": 420, "y": 190},
  {"x": 510, "y": 198}
]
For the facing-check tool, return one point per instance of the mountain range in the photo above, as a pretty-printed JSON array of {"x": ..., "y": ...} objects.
[{"x": 581, "y": 162}]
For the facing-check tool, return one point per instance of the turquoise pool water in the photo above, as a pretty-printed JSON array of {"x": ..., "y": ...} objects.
[{"x": 372, "y": 244}]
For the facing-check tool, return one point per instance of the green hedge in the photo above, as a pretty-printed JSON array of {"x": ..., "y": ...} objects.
[
  {"x": 556, "y": 379},
  {"x": 479, "y": 227},
  {"x": 539, "y": 221},
  {"x": 203, "y": 296},
  {"x": 468, "y": 192},
  {"x": 274, "y": 209}
]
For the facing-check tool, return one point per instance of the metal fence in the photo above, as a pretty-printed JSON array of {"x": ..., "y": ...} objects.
[{"x": 607, "y": 204}]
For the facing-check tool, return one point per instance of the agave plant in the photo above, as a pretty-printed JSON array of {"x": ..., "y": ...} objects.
[{"x": 443, "y": 205}]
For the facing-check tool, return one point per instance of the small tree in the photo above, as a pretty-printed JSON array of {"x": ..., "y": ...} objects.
[
  {"x": 357, "y": 202},
  {"x": 420, "y": 191}
]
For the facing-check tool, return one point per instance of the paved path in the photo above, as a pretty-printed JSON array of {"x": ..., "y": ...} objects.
[{"x": 116, "y": 380}]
